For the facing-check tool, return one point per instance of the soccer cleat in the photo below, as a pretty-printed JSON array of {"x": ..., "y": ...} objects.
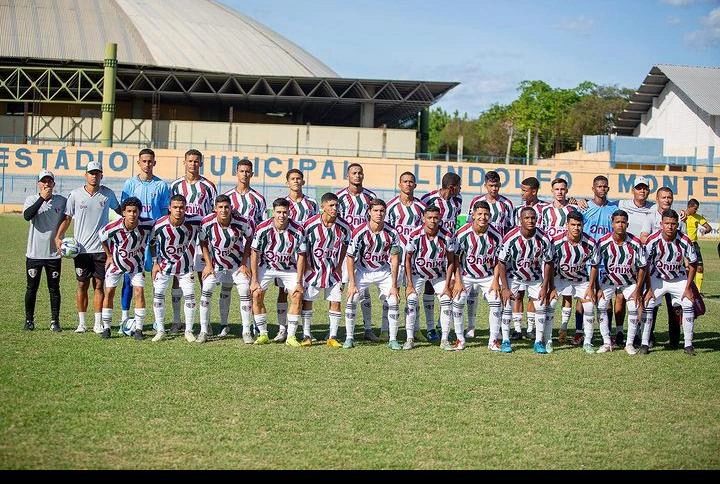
[
  {"x": 349, "y": 343},
  {"x": 644, "y": 350},
  {"x": 248, "y": 338},
  {"x": 619, "y": 340},
  {"x": 690, "y": 351},
  {"x": 81, "y": 328},
  {"x": 409, "y": 344},
  {"x": 201, "y": 338},
  {"x": 333, "y": 343},
  {"x": 105, "y": 333},
  {"x": 224, "y": 331},
  {"x": 530, "y": 333},
  {"x": 98, "y": 328},
  {"x": 562, "y": 336},
  {"x": 605, "y": 349},
  {"x": 281, "y": 336},
  {"x": 494, "y": 345},
  {"x": 506, "y": 347},
  {"x": 138, "y": 335},
  {"x": 175, "y": 328},
  {"x": 652, "y": 340},
  {"x": 55, "y": 327},
  {"x": 630, "y": 350},
  {"x": 588, "y": 348},
  {"x": 578, "y": 339},
  {"x": 470, "y": 333},
  {"x": 458, "y": 345},
  {"x": 445, "y": 345},
  {"x": 160, "y": 335},
  {"x": 433, "y": 336},
  {"x": 307, "y": 341},
  {"x": 394, "y": 345},
  {"x": 189, "y": 337},
  {"x": 30, "y": 326},
  {"x": 516, "y": 335},
  {"x": 368, "y": 335},
  {"x": 539, "y": 348},
  {"x": 384, "y": 336},
  {"x": 263, "y": 339},
  {"x": 292, "y": 342},
  {"x": 549, "y": 346}
]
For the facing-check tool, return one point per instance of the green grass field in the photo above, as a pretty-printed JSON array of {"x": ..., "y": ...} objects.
[{"x": 76, "y": 401}]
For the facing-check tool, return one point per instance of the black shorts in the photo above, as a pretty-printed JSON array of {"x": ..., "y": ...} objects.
[
  {"x": 90, "y": 265},
  {"x": 699, "y": 254}
]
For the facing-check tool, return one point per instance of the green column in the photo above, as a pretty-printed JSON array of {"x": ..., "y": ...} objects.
[{"x": 108, "y": 104}]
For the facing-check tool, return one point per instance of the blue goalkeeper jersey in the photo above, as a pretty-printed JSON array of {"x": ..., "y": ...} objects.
[
  {"x": 154, "y": 195},
  {"x": 598, "y": 220}
]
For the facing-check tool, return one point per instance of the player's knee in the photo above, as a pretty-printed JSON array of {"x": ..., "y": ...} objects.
[
  {"x": 631, "y": 305},
  {"x": 445, "y": 299},
  {"x": 412, "y": 300},
  {"x": 602, "y": 304},
  {"x": 686, "y": 303},
  {"x": 553, "y": 303},
  {"x": 392, "y": 300},
  {"x": 461, "y": 298},
  {"x": 588, "y": 307}
]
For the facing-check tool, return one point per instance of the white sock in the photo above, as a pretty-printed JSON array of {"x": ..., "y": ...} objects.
[
  {"x": 189, "y": 312},
  {"x": 588, "y": 321},
  {"x": 411, "y": 307},
  {"x": 393, "y": 316},
  {"x": 335, "y": 317},
  {"x": 224, "y": 304},
  {"x": 176, "y": 298},
  {"x": 471, "y": 309},
  {"x": 106, "y": 316},
  {"x": 495, "y": 315},
  {"x": 688, "y": 325},
  {"x": 445, "y": 317},
  {"x": 517, "y": 321},
  {"x": 292, "y": 324},
  {"x": 647, "y": 323},
  {"x": 245, "y": 313},
  {"x": 98, "y": 318},
  {"x": 539, "y": 324},
  {"x": 81, "y": 318},
  {"x": 505, "y": 321},
  {"x": 350, "y": 312},
  {"x": 159, "y": 311},
  {"x": 429, "y": 307},
  {"x": 307, "y": 322},
  {"x": 282, "y": 315},
  {"x": 566, "y": 313},
  {"x": 530, "y": 321},
  {"x": 385, "y": 318},
  {"x": 125, "y": 314},
  {"x": 366, "y": 308},
  {"x": 457, "y": 312},
  {"x": 261, "y": 322},
  {"x": 205, "y": 298},
  {"x": 604, "y": 324},
  {"x": 139, "y": 318}
]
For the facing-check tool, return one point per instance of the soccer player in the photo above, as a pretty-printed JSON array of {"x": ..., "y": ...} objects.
[
  {"x": 154, "y": 194},
  {"x": 225, "y": 238},
  {"x": 302, "y": 208},
  {"x": 430, "y": 259},
  {"x": 124, "y": 242},
  {"x": 477, "y": 245},
  {"x": 502, "y": 215},
  {"x": 276, "y": 245},
  {"x": 667, "y": 251},
  {"x": 623, "y": 257},
  {"x": 326, "y": 242},
  {"x": 44, "y": 211},
  {"x": 525, "y": 261},
  {"x": 553, "y": 216},
  {"x": 573, "y": 253},
  {"x": 199, "y": 193},
  {"x": 373, "y": 257},
  {"x": 404, "y": 214},
  {"x": 89, "y": 207},
  {"x": 354, "y": 206},
  {"x": 448, "y": 199},
  {"x": 696, "y": 223},
  {"x": 174, "y": 238},
  {"x": 252, "y": 205}
]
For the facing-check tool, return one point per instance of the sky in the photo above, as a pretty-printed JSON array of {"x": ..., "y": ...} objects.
[{"x": 491, "y": 46}]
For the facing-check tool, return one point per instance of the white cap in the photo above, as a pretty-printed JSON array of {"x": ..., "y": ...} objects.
[
  {"x": 93, "y": 165},
  {"x": 44, "y": 173},
  {"x": 641, "y": 180}
]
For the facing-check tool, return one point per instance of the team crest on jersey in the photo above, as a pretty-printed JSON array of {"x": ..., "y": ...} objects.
[
  {"x": 32, "y": 273},
  {"x": 79, "y": 272},
  {"x": 102, "y": 203}
]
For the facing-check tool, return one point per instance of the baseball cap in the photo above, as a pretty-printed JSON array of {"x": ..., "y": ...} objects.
[
  {"x": 93, "y": 165},
  {"x": 44, "y": 173},
  {"x": 641, "y": 180}
]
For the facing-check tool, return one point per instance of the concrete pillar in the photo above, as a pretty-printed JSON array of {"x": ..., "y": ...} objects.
[
  {"x": 108, "y": 104},
  {"x": 367, "y": 115},
  {"x": 424, "y": 130}
]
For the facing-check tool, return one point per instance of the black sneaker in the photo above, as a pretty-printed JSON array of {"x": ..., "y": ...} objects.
[
  {"x": 690, "y": 351},
  {"x": 29, "y": 326},
  {"x": 138, "y": 335},
  {"x": 105, "y": 334},
  {"x": 516, "y": 335},
  {"x": 55, "y": 326},
  {"x": 644, "y": 350}
]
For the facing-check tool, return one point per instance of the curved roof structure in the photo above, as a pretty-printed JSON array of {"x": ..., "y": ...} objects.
[{"x": 200, "y": 35}]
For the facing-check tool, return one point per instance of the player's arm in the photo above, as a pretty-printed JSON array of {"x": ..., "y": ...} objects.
[
  {"x": 409, "y": 289},
  {"x": 108, "y": 254},
  {"x": 591, "y": 294},
  {"x": 32, "y": 210},
  {"x": 300, "y": 273},
  {"x": 449, "y": 274},
  {"x": 352, "y": 290},
  {"x": 208, "y": 269},
  {"x": 502, "y": 281},
  {"x": 706, "y": 228},
  {"x": 254, "y": 263},
  {"x": 62, "y": 228},
  {"x": 547, "y": 283},
  {"x": 459, "y": 286},
  {"x": 394, "y": 269}
]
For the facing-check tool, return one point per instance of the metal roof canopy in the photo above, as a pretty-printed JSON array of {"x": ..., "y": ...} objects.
[{"x": 700, "y": 84}]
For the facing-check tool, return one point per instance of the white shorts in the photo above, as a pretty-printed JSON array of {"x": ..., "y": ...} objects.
[
  {"x": 332, "y": 294},
  {"x": 136, "y": 280},
  {"x": 571, "y": 288},
  {"x": 345, "y": 278},
  {"x": 288, "y": 279},
  {"x": 481, "y": 286},
  {"x": 532, "y": 288},
  {"x": 186, "y": 281},
  {"x": 383, "y": 280},
  {"x": 438, "y": 284},
  {"x": 225, "y": 278},
  {"x": 608, "y": 291},
  {"x": 660, "y": 287}
]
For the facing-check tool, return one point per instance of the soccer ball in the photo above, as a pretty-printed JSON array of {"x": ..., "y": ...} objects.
[
  {"x": 69, "y": 247},
  {"x": 127, "y": 326}
]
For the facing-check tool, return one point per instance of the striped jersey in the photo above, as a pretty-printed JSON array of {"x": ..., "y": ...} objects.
[
  {"x": 501, "y": 212},
  {"x": 323, "y": 247},
  {"x": 226, "y": 244},
  {"x": 302, "y": 210},
  {"x": 404, "y": 219},
  {"x": 524, "y": 258},
  {"x": 250, "y": 204},
  {"x": 354, "y": 208},
  {"x": 449, "y": 209},
  {"x": 538, "y": 207},
  {"x": 573, "y": 261},
  {"x": 278, "y": 250},
  {"x": 200, "y": 196},
  {"x": 621, "y": 262},
  {"x": 127, "y": 246},
  {"x": 666, "y": 259},
  {"x": 370, "y": 250},
  {"x": 175, "y": 246},
  {"x": 553, "y": 220},
  {"x": 430, "y": 254},
  {"x": 477, "y": 252}
]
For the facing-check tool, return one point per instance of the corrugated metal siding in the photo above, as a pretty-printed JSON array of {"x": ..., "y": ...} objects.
[
  {"x": 193, "y": 34},
  {"x": 701, "y": 84}
]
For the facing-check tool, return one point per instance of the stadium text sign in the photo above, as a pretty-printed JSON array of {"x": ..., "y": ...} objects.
[{"x": 380, "y": 174}]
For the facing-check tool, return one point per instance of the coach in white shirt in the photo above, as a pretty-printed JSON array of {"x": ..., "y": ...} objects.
[{"x": 638, "y": 209}]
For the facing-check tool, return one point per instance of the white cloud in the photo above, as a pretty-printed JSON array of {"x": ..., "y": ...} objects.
[
  {"x": 708, "y": 36},
  {"x": 674, "y": 21},
  {"x": 577, "y": 24},
  {"x": 678, "y": 3}
]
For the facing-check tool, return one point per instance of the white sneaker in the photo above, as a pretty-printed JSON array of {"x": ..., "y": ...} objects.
[
  {"x": 98, "y": 328},
  {"x": 549, "y": 346},
  {"x": 248, "y": 339},
  {"x": 159, "y": 336},
  {"x": 189, "y": 336},
  {"x": 281, "y": 336},
  {"x": 470, "y": 333},
  {"x": 630, "y": 350},
  {"x": 81, "y": 328},
  {"x": 175, "y": 328},
  {"x": 201, "y": 338},
  {"x": 604, "y": 349},
  {"x": 225, "y": 331}
]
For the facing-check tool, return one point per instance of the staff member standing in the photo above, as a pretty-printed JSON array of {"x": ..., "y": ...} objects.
[{"x": 44, "y": 211}]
